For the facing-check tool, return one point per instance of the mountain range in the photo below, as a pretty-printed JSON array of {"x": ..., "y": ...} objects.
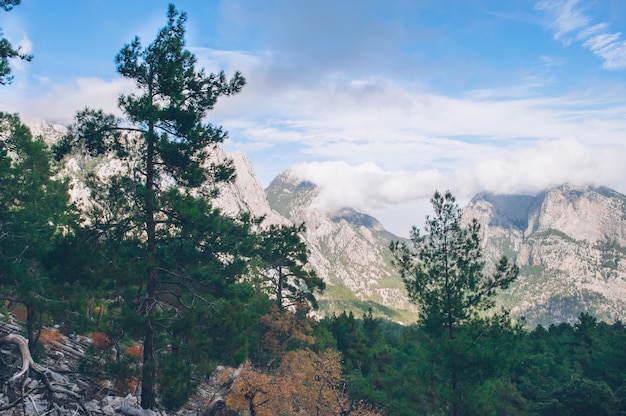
[
  {"x": 569, "y": 242},
  {"x": 348, "y": 248}
]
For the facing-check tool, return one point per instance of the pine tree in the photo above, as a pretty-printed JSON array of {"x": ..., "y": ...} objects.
[
  {"x": 34, "y": 213},
  {"x": 158, "y": 198},
  {"x": 443, "y": 272},
  {"x": 282, "y": 269}
]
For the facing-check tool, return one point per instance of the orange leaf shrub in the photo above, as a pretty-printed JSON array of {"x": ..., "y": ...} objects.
[
  {"x": 100, "y": 339},
  {"x": 19, "y": 312},
  {"x": 304, "y": 383},
  {"x": 135, "y": 351}
]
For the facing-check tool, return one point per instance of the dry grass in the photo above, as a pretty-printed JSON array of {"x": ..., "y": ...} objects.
[{"x": 51, "y": 336}]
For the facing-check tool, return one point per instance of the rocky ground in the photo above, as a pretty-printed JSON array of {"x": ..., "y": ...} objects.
[{"x": 52, "y": 385}]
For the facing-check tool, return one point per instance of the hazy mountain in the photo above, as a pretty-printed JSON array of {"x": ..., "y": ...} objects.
[{"x": 569, "y": 242}]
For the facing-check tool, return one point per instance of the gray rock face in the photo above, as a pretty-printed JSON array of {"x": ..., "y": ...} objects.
[
  {"x": 245, "y": 193},
  {"x": 583, "y": 213},
  {"x": 569, "y": 242}
]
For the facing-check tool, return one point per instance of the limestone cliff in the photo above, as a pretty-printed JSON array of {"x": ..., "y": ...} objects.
[{"x": 570, "y": 244}]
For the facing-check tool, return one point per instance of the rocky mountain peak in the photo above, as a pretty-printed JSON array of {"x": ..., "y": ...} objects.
[
  {"x": 582, "y": 212},
  {"x": 49, "y": 132},
  {"x": 287, "y": 193},
  {"x": 570, "y": 244},
  {"x": 510, "y": 211},
  {"x": 245, "y": 193}
]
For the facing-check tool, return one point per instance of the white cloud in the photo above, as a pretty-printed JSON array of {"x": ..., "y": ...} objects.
[
  {"x": 565, "y": 17},
  {"x": 520, "y": 170},
  {"x": 59, "y": 102},
  {"x": 610, "y": 48},
  {"x": 213, "y": 60},
  {"x": 389, "y": 122},
  {"x": 25, "y": 44},
  {"x": 569, "y": 22},
  {"x": 548, "y": 163},
  {"x": 366, "y": 186}
]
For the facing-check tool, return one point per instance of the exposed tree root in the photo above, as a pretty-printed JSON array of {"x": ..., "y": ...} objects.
[{"x": 58, "y": 396}]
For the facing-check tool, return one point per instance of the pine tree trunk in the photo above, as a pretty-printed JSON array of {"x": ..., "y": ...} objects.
[
  {"x": 279, "y": 288},
  {"x": 450, "y": 325},
  {"x": 31, "y": 317},
  {"x": 149, "y": 368},
  {"x": 149, "y": 365}
]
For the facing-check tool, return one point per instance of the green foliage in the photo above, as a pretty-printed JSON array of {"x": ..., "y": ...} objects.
[
  {"x": 443, "y": 269},
  {"x": 7, "y": 51},
  {"x": 557, "y": 233},
  {"x": 611, "y": 253},
  {"x": 532, "y": 270},
  {"x": 565, "y": 369},
  {"x": 35, "y": 215},
  {"x": 580, "y": 397},
  {"x": 282, "y": 269}
]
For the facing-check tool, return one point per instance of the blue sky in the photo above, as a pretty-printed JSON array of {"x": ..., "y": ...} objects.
[{"x": 379, "y": 103}]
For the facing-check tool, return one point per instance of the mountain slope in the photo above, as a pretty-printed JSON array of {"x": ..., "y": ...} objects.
[
  {"x": 349, "y": 249},
  {"x": 569, "y": 242}
]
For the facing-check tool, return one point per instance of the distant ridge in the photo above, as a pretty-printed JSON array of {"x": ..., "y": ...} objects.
[{"x": 349, "y": 249}]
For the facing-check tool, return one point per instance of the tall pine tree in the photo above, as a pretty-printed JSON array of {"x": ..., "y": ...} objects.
[
  {"x": 282, "y": 269},
  {"x": 157, "y": 198}
]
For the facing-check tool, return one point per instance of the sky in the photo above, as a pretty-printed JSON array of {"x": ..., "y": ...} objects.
[{"x": 379, "y": 103}]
